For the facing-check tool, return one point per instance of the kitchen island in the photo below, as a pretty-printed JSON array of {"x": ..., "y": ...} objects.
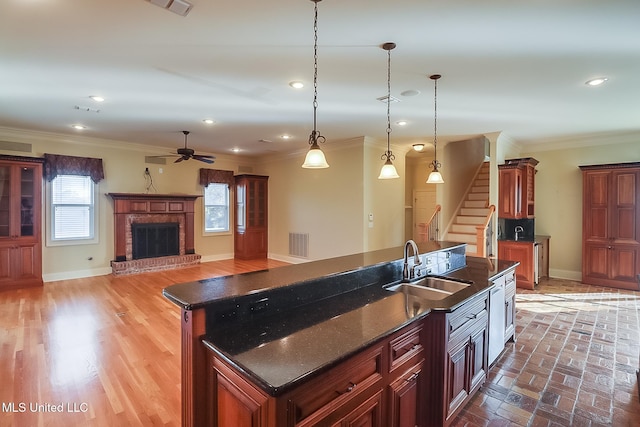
[{"x": 325, "y": 342}]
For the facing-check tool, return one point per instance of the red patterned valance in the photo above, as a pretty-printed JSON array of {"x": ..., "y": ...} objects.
[
  {"x": 55, "y": 164},
  {"x": 217, "y": 176}
]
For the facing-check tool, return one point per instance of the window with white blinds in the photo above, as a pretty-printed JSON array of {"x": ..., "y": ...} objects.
[
  {"x": 216, "y": 208},
  {"x": 72, "y": 208}
]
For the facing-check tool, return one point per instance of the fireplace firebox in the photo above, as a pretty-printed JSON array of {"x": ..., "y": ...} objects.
[{"x": 151, "y": 240}]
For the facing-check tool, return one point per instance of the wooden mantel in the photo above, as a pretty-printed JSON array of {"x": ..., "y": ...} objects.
[{"x": 149, "y": 205}]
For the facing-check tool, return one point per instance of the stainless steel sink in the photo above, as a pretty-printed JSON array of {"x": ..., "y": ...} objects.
[
  {"x": 430, "y": 288},
  {"x": 420, "y": 292},
  {"x": 438, "y": 283}
]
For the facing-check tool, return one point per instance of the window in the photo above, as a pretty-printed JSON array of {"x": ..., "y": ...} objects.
[
  {"x": 72, "y": 215},
  {"x": 216, "y": 208}
]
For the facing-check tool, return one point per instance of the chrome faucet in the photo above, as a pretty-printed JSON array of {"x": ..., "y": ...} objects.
[
  {"x": 518, "y": 229},
  {"x": 408, "y": 274}
]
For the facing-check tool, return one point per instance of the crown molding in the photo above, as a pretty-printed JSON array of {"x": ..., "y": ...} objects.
[{"x": 584, "y": 140}]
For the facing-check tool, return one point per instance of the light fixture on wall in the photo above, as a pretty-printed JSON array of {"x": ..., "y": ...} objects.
[
  {"x": 435, "y": 177},
  {"x": 388, "y": 171},
  {"x": 315, "y": 157}
]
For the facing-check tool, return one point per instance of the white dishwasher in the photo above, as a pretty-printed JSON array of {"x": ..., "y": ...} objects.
[{"x": 496, "y": 319}]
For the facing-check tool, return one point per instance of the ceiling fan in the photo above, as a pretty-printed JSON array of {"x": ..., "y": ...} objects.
[{"x": 188, "y": 153}]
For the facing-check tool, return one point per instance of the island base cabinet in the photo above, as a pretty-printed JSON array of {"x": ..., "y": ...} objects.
[
  {"x": 378, "y": 387},
  {"x": 237, "y": 402}
]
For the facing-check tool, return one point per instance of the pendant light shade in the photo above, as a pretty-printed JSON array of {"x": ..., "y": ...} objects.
[
  {"x": 388, "y": 170},
  {"x": 315, "y": 157},
  {"x": 435, "y": 177}
]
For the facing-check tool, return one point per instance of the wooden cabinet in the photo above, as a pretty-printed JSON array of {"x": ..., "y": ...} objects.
[
  {"x": 251, "y": 236},
  {"x": 378, "y": 387},
  {"x": 456, "y": 358},
  {"x": 516, "y": 197},
  {"x": 611, "y": 225},
  {"x": 20, "y": 222},
  {"x": 522, "y": 252}
]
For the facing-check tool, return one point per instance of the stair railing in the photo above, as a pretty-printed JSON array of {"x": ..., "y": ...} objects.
[
  {"x": 430, "y": 230},
  {"x": 484, "y": 235}
]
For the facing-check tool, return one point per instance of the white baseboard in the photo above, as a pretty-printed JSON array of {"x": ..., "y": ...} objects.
[
  {"x": 289, "y": 259},
  {"x": 76, "y": 274},
  {"x": 565, "y": 274}
]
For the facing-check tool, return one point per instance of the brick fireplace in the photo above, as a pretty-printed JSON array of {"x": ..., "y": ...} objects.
[{"x": 155, "y": 211}]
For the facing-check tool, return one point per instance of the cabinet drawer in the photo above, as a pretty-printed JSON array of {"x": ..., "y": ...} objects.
[
  {"x": 466, "y": 316},
  {"x": 322, "y": 396},
  {"x": 405, "y": 347}
]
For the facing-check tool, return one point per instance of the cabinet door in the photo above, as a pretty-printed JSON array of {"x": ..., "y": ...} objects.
[
  {"x": 404, "y": 405},
  {"x": 368, "y": 414},
  {"x": 477, "y": 359},
  {"x": 510, "y": 193},
  {"x": 510, "y": 307},
  {"x": 239, "y": 407},
  {"x": 523, "y": 253},
  {"x": 457, "y": 378}
]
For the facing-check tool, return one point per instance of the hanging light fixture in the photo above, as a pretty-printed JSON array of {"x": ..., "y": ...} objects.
[
  {"x": 315, "y": 157},
  {"x": 435, "y": 177},
  {"x": 388, "y": 171}
]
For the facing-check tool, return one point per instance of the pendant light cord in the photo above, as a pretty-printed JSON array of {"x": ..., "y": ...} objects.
[
  {"x": 388, "y": 155},
  {"x": 315, "y": 135},
  {"x": 435, "y": 164}
]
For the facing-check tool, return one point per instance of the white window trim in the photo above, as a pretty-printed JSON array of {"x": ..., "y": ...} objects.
[
  {"x": 228, "y": 232},
  {"x": 50, "y": 242}
]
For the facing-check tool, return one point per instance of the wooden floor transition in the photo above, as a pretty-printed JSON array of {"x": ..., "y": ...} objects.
[{"x": 105, "y": 351}]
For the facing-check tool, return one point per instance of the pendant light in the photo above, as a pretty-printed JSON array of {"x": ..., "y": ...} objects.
[
  {"x": 435, "y": 177},
  {"x": 388, "y": 171},
  {"x": 315, "y": 157}
]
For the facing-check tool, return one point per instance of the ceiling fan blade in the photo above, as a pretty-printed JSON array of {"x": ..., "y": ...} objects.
[
  {"x": 179, "y": 159},
  {"x": 206, "y": 159}
]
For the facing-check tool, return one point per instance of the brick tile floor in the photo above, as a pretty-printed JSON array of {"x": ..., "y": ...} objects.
[{"x": 573, "y": 363}]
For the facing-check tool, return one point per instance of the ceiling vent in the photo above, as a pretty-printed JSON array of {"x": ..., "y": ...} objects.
[
  {"x": 179, "y": 7},
  {"x": 390, "y": 98}
]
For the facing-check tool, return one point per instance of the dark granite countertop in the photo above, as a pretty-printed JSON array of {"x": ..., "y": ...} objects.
[
  {"x": 192, "y": 295},
  {"x": 283, "y": 348}
]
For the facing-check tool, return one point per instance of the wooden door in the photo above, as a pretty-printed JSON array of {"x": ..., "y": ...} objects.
[
  {"x": 523, "y": 253},
  {"x": 510, "y": 193}
]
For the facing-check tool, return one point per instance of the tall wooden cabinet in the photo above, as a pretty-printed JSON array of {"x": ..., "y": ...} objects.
[
  {"x": 611, "y": 225},
  {"x": 251, "y": 237},
  {"x": 517, "y": 188},
  {"x": 20, "y": 222}
]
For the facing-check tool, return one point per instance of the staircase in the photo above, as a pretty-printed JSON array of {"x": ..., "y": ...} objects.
[{"x": 472, "y": 213}]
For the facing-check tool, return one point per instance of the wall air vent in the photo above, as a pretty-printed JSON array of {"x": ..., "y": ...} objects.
[
  {"x": 179, "y": 7},
  {"x": 15, "y": 146},
  {"x": 299, "y": 244}
]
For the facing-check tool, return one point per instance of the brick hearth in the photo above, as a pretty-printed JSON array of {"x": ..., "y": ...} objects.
[{"x": 121, "y": 268}]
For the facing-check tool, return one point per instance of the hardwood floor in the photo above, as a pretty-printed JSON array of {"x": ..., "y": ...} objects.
[
  {"x": 106, "y": 352},
  {"x": 101, "y": 351}
]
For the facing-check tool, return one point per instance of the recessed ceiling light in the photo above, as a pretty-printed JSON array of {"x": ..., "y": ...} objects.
[
  {"x": 208, "y": 121},
  {"x": 402, "y": 122},
  {"x": 236, "y": 150},
  {"x": 97, "y": 98},
  {"x": 596, "y": 82},
  {"x": 285, "y": 136},
  {"x": 296, "y": 84},
  {"x": 78, "y": 127}
]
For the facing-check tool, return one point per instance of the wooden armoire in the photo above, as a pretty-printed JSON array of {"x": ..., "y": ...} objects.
[
  {"x": 250, "y": 234},
  {"x": 20, "y": 221},
  {"x": 611, "y": 225}
]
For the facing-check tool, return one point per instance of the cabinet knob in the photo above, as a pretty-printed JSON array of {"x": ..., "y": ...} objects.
[{"x": 413, "y": 377}]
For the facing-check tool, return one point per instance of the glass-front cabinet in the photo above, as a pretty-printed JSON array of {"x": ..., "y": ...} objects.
[
  {"x": 20, "y": 221},
  {"x": 250, "y": 234}
]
